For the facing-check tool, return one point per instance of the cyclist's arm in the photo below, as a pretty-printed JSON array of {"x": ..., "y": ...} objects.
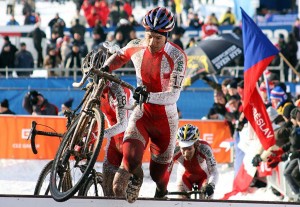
[
  {"x": 171, "y": 96},
  {"x": 175, "y": 157},
  {"x": 211, "y": 164},
  {"x": 120, "y": 58},
  {"x": 121, "y": 113}
]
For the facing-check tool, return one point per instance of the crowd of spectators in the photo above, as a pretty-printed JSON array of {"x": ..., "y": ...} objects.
[
  {"x": 98, "y": 15},
  {"x": 284, "y": 113}
]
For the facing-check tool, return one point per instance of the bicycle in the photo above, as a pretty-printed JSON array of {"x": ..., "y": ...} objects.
[
  {"x": 82, "y": 142},
  {"x": 93, "y": 185},
  {"x": 196, "y": 192}
]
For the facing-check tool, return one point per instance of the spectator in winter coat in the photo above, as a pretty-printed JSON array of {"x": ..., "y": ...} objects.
[
  {"x": 73, "y": 60},
  {"x": 52, "y": 60},
  {"x": 79, "y": 40},
  {"x": 4, "y": 107},
  {"x": 7, "y": 56},
  {"x": 35, "y": 103},
  {"x": 58, "y": 25},
  {"x": 30, "y": 19},
  {"x": 296, "y": 29},
  {"x": 12, "y": 21},
  {"x": 24, "y": 59},
  {"x": 52, "y": 41},
  {"x": 97, "y": 40},
  {"x": 77, "y": 28},
  {"x": 37, "y": 36}
]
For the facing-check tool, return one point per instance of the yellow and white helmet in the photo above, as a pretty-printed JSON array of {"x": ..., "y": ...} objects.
[{"x": 187, "y": 135}]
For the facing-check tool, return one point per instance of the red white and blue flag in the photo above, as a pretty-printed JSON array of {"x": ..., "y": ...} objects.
[{"x": 258, "y": 54}]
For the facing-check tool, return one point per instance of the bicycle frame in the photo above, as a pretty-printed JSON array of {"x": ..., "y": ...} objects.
[{"x": 79, "y": 143}]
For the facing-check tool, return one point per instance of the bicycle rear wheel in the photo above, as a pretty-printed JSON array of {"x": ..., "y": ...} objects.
[
  {"x": 77, "y": 154},
  {"x": 93, "y": 186},
  {"x": 42, "y": 186}
]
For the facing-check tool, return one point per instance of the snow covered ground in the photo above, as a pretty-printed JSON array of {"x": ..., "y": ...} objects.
[{"x": 19, "y": 177}]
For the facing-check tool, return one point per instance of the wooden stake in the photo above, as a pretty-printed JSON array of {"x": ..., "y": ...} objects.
[{"x": 289, "y": 64}]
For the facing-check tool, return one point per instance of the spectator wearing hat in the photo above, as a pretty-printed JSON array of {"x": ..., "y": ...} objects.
[
  {"x": 176, "y": 36},
  {"x": 4, "y": 107},
  {"x": 73, "y": 60},
  {"x": 279, "y": 99},
  {"x": 66, "y": 106},
  {"x": 24, "y": 60},
  {"x": 287, "y": 112},
  {"x": 35, "y": 103},
  {"x": 7, "y": 56}
]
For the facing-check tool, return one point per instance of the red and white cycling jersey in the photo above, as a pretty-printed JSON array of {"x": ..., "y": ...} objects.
[
  {"x": 202, "y": 167},
  {"x": 162, "y": 73},
  {"x": 113, "y": 105}
]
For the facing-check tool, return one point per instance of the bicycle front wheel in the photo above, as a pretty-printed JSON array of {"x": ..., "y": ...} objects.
[{"x": 77, "y": 154}]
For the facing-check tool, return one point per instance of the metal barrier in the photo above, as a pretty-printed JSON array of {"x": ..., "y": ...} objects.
[
  {"x": 44, "y": 73},
  {"x": 235, "y": 70}
]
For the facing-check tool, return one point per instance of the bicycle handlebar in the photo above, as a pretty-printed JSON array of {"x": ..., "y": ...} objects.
[
  {"x": 113, "y": 78},
  {"x": 106, "y": 75},
  {"x": 31, "y": 136},
  {"x": 82, "y": 81},
  {"x": 33, "y": 132}
]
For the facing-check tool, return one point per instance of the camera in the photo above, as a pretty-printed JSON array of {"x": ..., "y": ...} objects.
[{"x": 33, "y": 97}]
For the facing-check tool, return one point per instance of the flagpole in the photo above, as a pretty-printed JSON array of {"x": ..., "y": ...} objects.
[{"x": 289, "y": 64}]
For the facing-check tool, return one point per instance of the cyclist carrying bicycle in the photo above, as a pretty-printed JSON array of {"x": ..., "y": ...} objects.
[
  {"x": 160, "y": 67},
  {"x": 197, "y": 164},
  {"x": 114, "y": 103}
]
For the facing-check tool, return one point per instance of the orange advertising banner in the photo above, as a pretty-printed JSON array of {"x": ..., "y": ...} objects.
[{"x": 15, "y": 144}]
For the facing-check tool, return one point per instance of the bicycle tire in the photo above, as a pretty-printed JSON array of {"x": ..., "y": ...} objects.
[
  {"x": 78, "y": 162},
  {"x": 42, "y": 185},
  {"x": 93, "y": 186}
]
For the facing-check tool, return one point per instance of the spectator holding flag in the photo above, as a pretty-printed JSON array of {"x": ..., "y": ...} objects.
[{"x": 253, "y": 106}]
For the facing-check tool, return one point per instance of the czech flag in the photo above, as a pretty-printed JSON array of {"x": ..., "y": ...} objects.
[{"x": 258, "y": 53}]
